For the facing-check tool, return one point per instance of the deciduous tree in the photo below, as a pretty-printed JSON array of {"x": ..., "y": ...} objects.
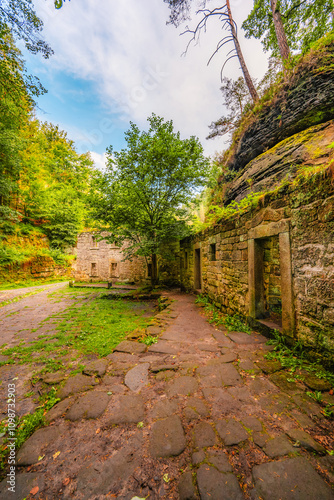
[
  {"x": 148, "y": 186},
  {"x": 24, "y": 24}
]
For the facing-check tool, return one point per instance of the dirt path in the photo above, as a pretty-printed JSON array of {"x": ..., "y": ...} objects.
[
  {"x": 26, "y": 309},
  {"x": 199, "y": 414}
]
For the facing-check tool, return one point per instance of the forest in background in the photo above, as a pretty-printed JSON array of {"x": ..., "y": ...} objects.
[{"x": 45, "y": 185}]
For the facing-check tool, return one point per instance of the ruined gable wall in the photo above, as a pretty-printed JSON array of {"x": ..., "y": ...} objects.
[{"x": 102, "y": 261}]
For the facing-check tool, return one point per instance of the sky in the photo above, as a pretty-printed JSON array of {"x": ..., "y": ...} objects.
[{"x": 117, "y": 61}]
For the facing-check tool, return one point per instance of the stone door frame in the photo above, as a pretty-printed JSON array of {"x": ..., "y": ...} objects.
[
  {"x": 255, "y": 274},
  {"x": 197, "y": 266}
]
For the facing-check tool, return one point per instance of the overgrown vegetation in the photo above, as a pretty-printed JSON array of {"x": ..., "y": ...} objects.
[
  {"x": 148, "y": 187},
  {"x": 231, "y": 323},
  {"x": 27, "y": 425},
  {"x": 294, "y": 359}
]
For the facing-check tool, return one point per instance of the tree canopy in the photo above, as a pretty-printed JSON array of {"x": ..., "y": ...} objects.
[
  {"x": 20, "y": 18},
  {"x": 149, "y": 186},
  {"x": 304, "y": 21}
]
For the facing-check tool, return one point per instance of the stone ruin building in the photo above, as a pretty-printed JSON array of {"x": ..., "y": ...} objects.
[{"x": 101, "y": 261}]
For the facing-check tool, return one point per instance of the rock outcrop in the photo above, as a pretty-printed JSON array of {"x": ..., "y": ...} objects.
[{"x": 305, "y": 99}]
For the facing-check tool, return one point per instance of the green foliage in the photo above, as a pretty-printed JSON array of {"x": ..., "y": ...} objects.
[
  {"x": 202, "y": 300},
  {"x": 149, "y": 186},
  {"x": 56, "y": 184},
  {"x": 95, "y": 328},
  {"x": 217, "y": 213},
  {"x": 11, "y": 255},
  {"x": 235, "y": 323},
  {"x": 149, "y": 340},
  {"x": 316, "y": 395},
  {"x": 293, "y": 357},
  {"x": 232, "y": 323},
  {"x": 24, "y": 24},
  {"x": 328, "y": 412},
  {"x": 28, "y": 424},
  {"x": 304, "y": 22}
]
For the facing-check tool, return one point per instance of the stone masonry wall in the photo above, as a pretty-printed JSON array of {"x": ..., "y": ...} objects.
[
  {"x": 299, "y": 221},
  {"x": 99, "y": 260},
  {"x": 102, "y": 261}
]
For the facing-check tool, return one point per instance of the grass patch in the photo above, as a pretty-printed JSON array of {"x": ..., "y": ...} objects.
[
  {"x": 27, "y": 425},
  {"x": 96, "y": 327},
  {"x": 236, "y": 324},
  {"x": 149, "y": 340}
]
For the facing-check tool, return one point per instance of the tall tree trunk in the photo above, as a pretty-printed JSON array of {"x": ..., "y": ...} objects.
[
  {"x": 154, "y": 270},
  {"x": 279, "y": 30},
  {"x": 248, "y": 80}
]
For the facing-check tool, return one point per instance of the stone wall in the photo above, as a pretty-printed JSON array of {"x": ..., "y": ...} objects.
[
  {"x": 102, "y": 261},
  {"x": 281, "y": 252},
  {"x": 38, "y": 267}
]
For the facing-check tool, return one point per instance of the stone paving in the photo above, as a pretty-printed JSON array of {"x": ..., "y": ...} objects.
[{"x": 201, "y": 414}]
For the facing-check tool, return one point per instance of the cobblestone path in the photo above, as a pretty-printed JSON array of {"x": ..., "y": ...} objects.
[{"x": 201, "y": 414}]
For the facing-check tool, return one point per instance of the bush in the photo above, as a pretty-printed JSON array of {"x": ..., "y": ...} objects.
[
  {"x": 8, "y": 228},
  {"x": 10, "y": 255}
]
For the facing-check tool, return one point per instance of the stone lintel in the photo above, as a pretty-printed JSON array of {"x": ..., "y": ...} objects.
[{"x": 267, "y": 230}]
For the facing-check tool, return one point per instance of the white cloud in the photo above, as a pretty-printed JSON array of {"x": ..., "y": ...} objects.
[
  {"x": 135, "y": 61},
  {"x": 99, "y": 160}
]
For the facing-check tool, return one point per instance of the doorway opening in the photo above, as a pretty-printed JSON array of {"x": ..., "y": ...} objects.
[
  {"x": 271, "y": 279},
  {"x": 197, "y": 269}
]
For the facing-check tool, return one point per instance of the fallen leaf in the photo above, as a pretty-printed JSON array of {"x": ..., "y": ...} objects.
[
  {"x": 56, "y": 454},
  {"x": 66, "y": 481},
  {"x": 41, "y": 458},
  {"x": 34, "y": 490}
]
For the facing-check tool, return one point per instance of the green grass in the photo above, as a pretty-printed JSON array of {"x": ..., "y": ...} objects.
[
  {"x": 96, "y": 327},
  {"x": 232, "y": 323},
  {"x": 27, "y": 425},
  {"x": 28, "y": 283},
  {"x": 292, "y": 357},
  {"x": 149, "y": 340}
]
